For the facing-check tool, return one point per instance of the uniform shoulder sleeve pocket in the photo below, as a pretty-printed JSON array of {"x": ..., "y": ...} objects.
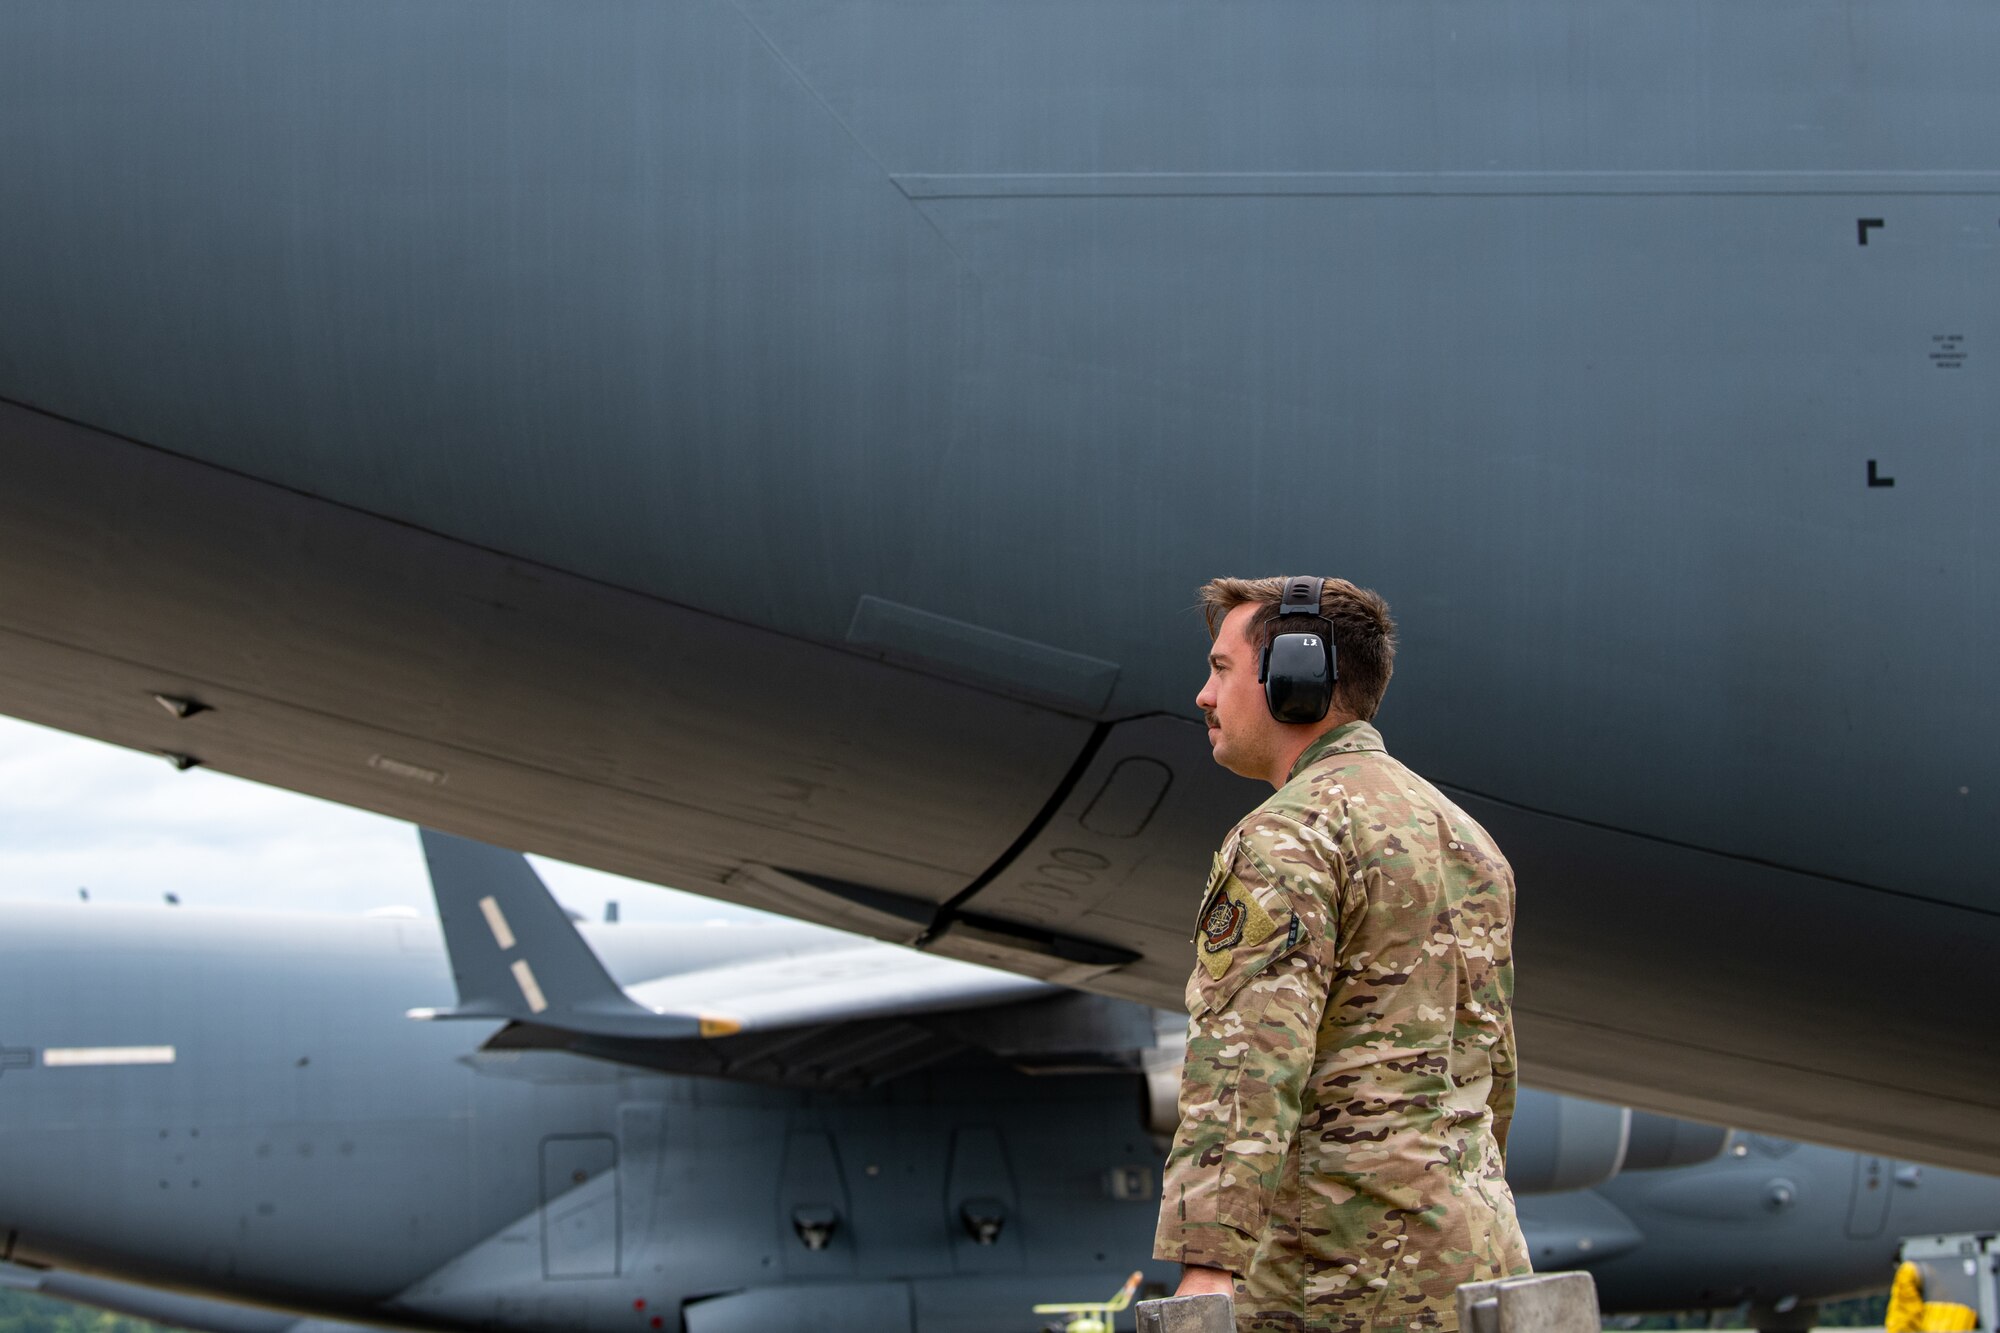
[{"x": 1245, "y": 926}]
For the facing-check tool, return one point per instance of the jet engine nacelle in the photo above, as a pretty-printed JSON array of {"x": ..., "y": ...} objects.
[
  {"x": 1565, "y": 1143},
  {"x": 1661, "y": 1141}
]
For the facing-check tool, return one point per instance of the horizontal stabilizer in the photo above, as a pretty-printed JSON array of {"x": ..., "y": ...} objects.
[
  {"x": 1063, "y": 1033},
  {"x": 847, "y": 1016},
  {"x": 866, "y": 980},
  {"x": 516, "y": 955}
]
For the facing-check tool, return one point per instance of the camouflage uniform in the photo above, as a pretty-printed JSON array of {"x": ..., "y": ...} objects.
[{"x": 1350, "y": 1066}]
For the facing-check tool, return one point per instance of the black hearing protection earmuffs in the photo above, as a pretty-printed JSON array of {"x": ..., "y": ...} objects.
[{"x": 1298, "y": 667}]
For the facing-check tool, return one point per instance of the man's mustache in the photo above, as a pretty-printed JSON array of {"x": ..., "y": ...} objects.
[{"x": 1210, "y": 718}]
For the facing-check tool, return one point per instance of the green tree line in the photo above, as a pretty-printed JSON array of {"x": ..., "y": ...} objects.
[{"x": 24, "y": 1312}]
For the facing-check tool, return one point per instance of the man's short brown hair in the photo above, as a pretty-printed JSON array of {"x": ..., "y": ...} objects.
[{"x": 1364, "y": 638}]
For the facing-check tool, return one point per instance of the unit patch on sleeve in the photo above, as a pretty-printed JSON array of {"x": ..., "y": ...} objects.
[{"x": 1230, "y": 917}]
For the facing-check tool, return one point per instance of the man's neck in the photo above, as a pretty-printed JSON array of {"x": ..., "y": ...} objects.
[{"x": 1288, "y": 757}]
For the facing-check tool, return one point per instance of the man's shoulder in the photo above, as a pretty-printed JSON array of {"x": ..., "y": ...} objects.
[
  {"x": 1320, "y": 793},
  {"x": 1285, "y": 815},
  {"x": 1378, "y": 795},
  {"x": 1286, "y": 840}
]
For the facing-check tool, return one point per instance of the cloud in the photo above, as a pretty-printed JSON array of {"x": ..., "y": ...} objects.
[{"x": 80, "y": 813}]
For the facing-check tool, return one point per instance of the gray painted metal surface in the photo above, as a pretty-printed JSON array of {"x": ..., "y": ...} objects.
[
  {"x": 675, "y": 336},
  {"x": 1543, "y": 1303},
  {"x": 1213, "y": 1313},
  {"x": 303, "y": 1145}
]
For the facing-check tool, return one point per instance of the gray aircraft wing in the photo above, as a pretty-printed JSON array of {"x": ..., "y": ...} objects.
[{"x": 841, "y": 1016}]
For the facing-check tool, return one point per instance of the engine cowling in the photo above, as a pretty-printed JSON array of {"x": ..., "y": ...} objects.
[
  {"x": 1661, "y": 1141},
  {"x": 1565, "y": 1143}
]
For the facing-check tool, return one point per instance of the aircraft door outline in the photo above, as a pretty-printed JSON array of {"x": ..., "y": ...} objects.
[{"x": 1868, "y": 1207}]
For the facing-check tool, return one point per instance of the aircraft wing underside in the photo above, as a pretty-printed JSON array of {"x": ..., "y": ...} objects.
[{"x": 905, "y": 797}]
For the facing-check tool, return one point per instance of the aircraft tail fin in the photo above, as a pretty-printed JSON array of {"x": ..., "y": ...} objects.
[{"x": 515, "y": 954}]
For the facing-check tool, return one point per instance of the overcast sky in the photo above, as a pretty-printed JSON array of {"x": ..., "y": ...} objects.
[{"x": 78, "y": 813}]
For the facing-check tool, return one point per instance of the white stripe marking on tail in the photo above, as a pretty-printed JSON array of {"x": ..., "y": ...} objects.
[
  {"x": 524, "y": 977},
  {"x": 496, "y": 921}
]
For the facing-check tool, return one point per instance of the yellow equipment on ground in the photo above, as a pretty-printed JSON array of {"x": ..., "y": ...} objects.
[
  {"x": 1909, "y": 1312},
  {"x": 1094, "y": 1316}
]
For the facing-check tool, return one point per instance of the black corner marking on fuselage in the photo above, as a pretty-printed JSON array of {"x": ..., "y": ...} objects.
[
  {"x": 1862, "y": 226},
  {"x": 1877, "y": 479},
  {"x": 16, "y": 1057}
]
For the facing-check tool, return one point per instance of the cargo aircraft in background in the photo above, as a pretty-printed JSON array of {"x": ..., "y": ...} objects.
[
  {"x": 256, "y": 1123},
  {"x": 768, "y": 448}
]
